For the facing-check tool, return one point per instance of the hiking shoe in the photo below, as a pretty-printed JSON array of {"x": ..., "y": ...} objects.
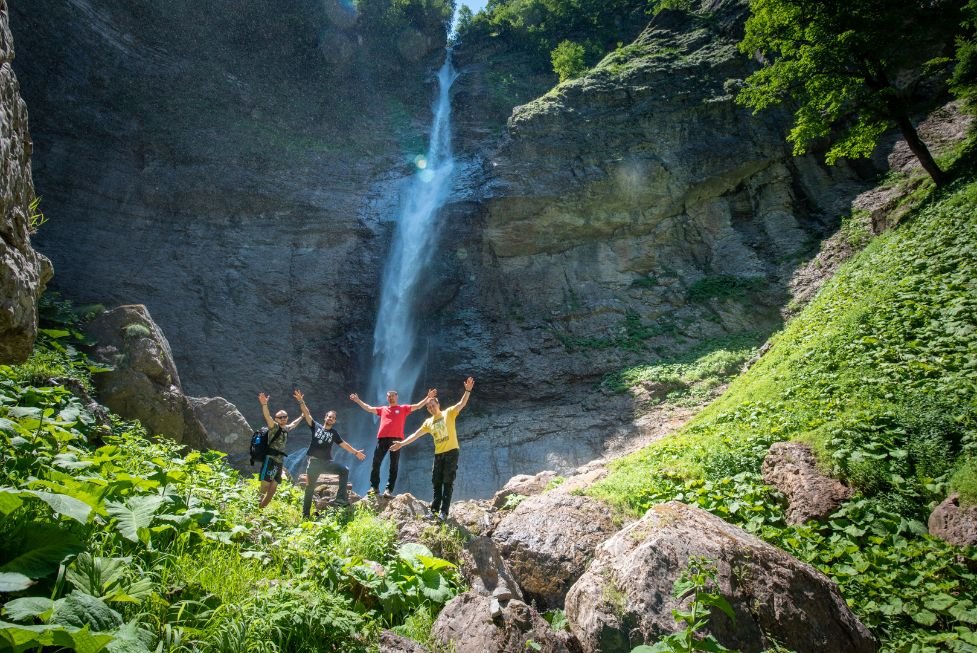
[
  {"x": 443, "y": 515},
  {"x": 387, "y": 494}
]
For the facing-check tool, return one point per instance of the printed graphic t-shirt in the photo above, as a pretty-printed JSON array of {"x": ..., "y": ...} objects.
[
  {"x": 392, "y": 420},
  {"x": 443, "y": 430},
  {"x": 322, "y": 441}
]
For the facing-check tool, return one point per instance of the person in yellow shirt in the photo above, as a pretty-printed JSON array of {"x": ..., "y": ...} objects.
[{"x": 441, "y": 426}]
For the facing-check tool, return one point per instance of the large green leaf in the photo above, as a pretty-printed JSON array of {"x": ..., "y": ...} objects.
[
  {"x": 28, "y": 607},
  {"x": 137, "y": 513},
  {"x": 96, "y": 575},
  {"x": 42, "y": 551},
  {"x": 24, "y": 638},
  {"x": 14, "y": 582},
  {"x": 79, "y": 610},
  {"x": 10, "y": 500},
  {"x": 131, "y": 639},
  {"x": 63, "y": 504}
]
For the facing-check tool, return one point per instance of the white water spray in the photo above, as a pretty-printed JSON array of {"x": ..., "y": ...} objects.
[{"x": 397, "y": 361}]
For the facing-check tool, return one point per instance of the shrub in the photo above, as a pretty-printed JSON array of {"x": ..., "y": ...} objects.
[{"x": 568, "y": 60}]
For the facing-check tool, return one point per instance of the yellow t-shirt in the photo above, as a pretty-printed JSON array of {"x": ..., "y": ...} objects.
[{"x": 443, "y": 430}]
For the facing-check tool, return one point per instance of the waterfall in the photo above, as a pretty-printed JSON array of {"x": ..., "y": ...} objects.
[{"x": 397, "y": 361}]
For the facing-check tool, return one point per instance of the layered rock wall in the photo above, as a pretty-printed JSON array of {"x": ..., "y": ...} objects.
[
  {"x": 231, "y": 171},
  {"x": 23, "y": 272}
]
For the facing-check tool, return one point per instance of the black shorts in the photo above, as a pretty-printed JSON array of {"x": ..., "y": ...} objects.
[{"x": 271, "y": 470}]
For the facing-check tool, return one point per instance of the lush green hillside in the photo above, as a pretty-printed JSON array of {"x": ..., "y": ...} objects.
[
  {"x": 879, "y": 375},
  {"x": 112, "y": 542}
]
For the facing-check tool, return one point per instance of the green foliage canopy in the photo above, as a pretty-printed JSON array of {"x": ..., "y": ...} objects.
[
  {"x": 854, "y": 67},
  {"x": 568, "y": 60}
]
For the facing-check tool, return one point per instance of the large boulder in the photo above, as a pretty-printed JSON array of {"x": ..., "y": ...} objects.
[
  {"x": 23, "y": 272},
  {"x": 792, "y": 468},
  {"x": 143, "y": 383},
  {"x": 524, "y": 485},
  {"x": 954, "y": 523},
  {"x": 549, "y": 540},
  {"x": 471, "y": 623},
  {"x": 625, "y": 598},
  {"x": 489, "y": 574},
  {"x": 226, "y": 427}
]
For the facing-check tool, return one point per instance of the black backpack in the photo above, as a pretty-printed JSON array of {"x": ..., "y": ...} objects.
[{"x": 261, "y": 446}]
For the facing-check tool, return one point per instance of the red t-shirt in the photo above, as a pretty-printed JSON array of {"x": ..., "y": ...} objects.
[{"x": 392, "y": 420}]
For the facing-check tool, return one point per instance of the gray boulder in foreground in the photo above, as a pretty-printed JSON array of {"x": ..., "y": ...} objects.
[
  {"x": 548, "y": 541},
  {"x": 625, "y": 598},
  {"x": 471, "y": 623}
]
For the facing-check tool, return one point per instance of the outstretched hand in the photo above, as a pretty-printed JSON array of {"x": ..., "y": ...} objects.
[
  {"x": 299, "y": 397},
  {"x": 469, "y": 384},
  {"x": 263, "y": 398},
  {"x": 360, "y": 455},
  {"x": 354, "y": 397},
  {"x": 432, "y": 393},
  {"x": 396, "y": 445}
]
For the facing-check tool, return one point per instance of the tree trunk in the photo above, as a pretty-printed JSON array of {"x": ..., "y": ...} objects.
[{"x": 919, "y": 148}]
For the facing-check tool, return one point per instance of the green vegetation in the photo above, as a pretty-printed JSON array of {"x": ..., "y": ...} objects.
[
  {"x": 630, "y": 335},
  {"x": 35, "y": 218},
  {"x": 692, "y": 377},
  {"x": 855, "y": 68},
  {"x": 538, "y": 27},
  {"x": 116, "y": 543},
  {"x": 879, "y": 376},
  {"x": 568, "y": 60},
  {"x": 697, "y": 584},
  {"x": 724, "y": 286}
]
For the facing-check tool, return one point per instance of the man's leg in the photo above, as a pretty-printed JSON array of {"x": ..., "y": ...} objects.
[
  {"x": 448, "y": 479},
  {"x": 378, "y": 455},
  {"x": 437, "y": 477},
  {"x": 265, "y": 492},
  {"x": 394, "y": 464},
  {"x": 312, "y": 475},
  {"x": 332, "y": 467}
]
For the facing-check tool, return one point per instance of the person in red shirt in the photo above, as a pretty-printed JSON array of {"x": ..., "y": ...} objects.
[{"x": 392, "y": 418}]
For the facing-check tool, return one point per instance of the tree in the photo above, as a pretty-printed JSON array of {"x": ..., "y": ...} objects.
[
  {"x": 568, "y": 60},
  {"x": 854, "y": 67}
]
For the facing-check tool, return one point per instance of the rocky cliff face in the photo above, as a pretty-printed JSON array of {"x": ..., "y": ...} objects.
[
  {"x": 231, "y": 166},
  {"x": 226, "y": 168},
  {"x": 23, "y": 272}
]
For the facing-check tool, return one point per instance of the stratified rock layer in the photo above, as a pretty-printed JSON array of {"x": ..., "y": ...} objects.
[{"x": 23, "y": 272}]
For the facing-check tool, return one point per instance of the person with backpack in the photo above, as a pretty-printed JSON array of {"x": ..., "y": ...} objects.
[
  {"x": 274, "y": 459},
  {"x": 320, "y": 456},
  {"x": 392, "y": 418},
  {"x": 441, "y": 426}
]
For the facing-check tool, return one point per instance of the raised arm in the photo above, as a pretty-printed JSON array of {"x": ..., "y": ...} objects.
[
  {"x": 263, "y": 400},
  {"x": 356, "y": 452},
  {"x": 469, "y": 384},
  {"x": 306, "y": 415},
  {"x": 359, "y": 402},
  {"x": 431, "y": 394},
  {"x": 406, "y": 441}
]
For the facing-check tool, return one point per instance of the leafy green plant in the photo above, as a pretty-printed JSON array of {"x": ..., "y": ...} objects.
[
  {"x": 35, "y": 218},
  {"x": 964, "y": 481},
  {"x": 696, "y": 585},
  {"x": 568, "y": 60}
]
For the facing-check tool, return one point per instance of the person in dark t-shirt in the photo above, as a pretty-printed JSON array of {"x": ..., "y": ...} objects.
[{"x": 320, "y": 456}]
